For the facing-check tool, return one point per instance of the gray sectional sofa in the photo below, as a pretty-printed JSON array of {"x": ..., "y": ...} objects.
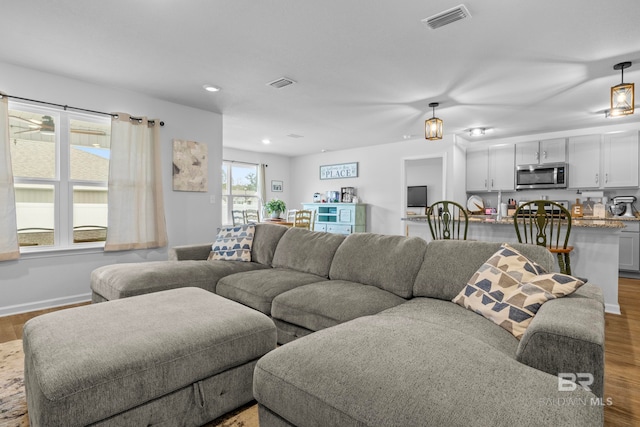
[{"x": 373, "y": 339}]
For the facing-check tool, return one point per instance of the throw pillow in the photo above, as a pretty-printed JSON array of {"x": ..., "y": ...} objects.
[
  {"x": 509, "y": 290},
  {"x": 233, "y": 243}
]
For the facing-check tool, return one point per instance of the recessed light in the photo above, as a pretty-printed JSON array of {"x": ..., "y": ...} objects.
[
  {"x": 210, "y": 88},
  {"x": 266, "y": 141}
]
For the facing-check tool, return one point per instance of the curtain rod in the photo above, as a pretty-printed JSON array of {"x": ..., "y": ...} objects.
[{"x": 65, "y": 107}]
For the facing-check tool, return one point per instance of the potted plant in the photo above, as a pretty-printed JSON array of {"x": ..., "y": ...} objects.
[{"x": 275, "y": 207}]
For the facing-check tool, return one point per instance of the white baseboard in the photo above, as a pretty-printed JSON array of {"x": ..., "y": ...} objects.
[
  {"x": 612, "y": 308},
  {"x": 41, "y": 305}
]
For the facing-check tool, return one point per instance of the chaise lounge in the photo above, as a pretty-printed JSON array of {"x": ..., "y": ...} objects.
[{"x": 373, "y": 338}]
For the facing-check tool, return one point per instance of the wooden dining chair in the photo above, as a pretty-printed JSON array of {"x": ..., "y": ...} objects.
[
  {"x": 447, "y": 221},
  {"x": 548, "y": 227},
  {"x": 303, "y": 219},
  {"x": 238, "y": 217},
  {"x": 251, "y": 216}
]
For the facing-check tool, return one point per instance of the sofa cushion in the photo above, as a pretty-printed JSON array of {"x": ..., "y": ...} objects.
[
  {"x": 265, "y": 242},
  {"x": 233, "y": 243},
  {"x": 387, "y": 370},
  {"x": 257, "y": 289},
  {"x": 321, "y": 305},
  {"x": 125, "y": 280},
  {"x": 449, "y": 264},
  {"x": 509, "y": 289},
  {"x": 439, "y": 313},
  {"x": 307, "y": 251},
  {"x": 388, "y": 262}
]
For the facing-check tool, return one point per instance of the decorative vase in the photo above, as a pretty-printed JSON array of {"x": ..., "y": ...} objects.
[{"x": 275, "y": 214}]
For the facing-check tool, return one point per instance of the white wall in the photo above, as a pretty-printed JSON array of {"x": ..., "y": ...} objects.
[
  {"x": 380, "y": 181},
  {"x": 45, "y": 280}
]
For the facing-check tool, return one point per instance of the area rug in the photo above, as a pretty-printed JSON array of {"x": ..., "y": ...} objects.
[{"x": 13, "y": 404}]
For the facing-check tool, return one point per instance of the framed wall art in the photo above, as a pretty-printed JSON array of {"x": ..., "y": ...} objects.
[
  {"x": 189, "y": 166},
  {"x": 342, "y": 170},
  {"x": 276, "y": 186}
]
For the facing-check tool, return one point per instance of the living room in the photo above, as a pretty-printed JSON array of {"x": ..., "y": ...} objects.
[{"x": 43, "y": 279}]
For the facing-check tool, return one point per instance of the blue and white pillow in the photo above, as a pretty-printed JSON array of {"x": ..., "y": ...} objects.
[{"x": 233, "y": 243}]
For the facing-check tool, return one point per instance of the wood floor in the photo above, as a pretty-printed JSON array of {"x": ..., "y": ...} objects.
[{"x": 622, "y": 353}]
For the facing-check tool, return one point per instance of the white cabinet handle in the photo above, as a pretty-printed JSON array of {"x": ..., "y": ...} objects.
[
  {"x": 491, "y": 182},
  {"x": 544, "y": 154},
  {"x": 606, "y": 177},
  {"x": 537, "y": 156},
  {"x": 485, "y": 183},
  {"x": 596, "y": 178}
]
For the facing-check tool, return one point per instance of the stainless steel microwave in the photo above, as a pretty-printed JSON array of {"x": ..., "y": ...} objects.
[{"x": 551, "y": 175}]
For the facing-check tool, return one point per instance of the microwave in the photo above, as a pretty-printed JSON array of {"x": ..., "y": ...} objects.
[{"x": 550, "y": 175}]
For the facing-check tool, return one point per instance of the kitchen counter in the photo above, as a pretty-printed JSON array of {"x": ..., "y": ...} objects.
[{"x": 595, "y": 242}]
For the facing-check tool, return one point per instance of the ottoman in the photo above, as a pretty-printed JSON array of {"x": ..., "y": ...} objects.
[{"x": 180, "y": 357}]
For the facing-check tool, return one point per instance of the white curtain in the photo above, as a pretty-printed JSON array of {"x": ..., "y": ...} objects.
[
  {"x": 262, "y": 186},
  {"x": 136, "y": 210},
  {"x": 9, "y": 248}
]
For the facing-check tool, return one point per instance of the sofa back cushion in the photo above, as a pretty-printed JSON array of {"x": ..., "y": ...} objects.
[
  {"x": 307, "y": 251},
  {"x": 265, "y": 241},
  {"x": 388, "y": 262},
  {"x": 449, "y": 264}
]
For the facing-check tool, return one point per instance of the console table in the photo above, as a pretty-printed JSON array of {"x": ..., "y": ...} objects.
[{"x": 339, "y": 218}]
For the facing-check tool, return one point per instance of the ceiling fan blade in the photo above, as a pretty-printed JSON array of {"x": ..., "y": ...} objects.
[
  {"x": 89, "y": 132},
  {"x": 26, "y": 131}
]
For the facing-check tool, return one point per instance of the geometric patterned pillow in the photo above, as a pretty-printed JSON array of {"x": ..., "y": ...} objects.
[
  {"x": 233, "y": 243},
  {"x": 511, "y": 298}
]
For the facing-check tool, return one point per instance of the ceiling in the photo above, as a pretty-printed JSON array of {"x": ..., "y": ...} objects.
[{"x": 366, "y": 70}]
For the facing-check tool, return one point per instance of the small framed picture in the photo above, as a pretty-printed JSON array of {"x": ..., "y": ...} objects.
[{"x": 276, "y": 186}]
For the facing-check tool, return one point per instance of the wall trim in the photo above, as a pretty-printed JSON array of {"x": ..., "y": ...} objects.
[{"x": 44, "y": 304}]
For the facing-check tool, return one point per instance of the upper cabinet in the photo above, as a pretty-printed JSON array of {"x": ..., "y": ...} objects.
[
  {"x": 604, "y": 161},
  {"x": 541, "y": 152},
  {"x": 491, "y": 169},
  {"x": 620, "y": 160}
]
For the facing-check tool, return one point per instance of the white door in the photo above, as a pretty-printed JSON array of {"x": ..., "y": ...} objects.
[
  {"x": 620, "y": 156},
  {"x": 477, "y": 170},
  {"x": 502, "y": 167}
]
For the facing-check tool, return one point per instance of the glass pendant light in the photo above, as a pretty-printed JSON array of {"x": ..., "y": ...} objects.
[
  {"x": 433, "y": 126},
  {"x": 622, "y": 98}
]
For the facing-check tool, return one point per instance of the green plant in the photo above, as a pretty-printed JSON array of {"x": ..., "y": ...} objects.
[{"x": 275, "y": 205}]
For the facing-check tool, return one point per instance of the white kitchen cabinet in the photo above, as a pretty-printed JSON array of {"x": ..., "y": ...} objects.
[
  {"x": 477, "y": 170},
  {"x": 620, "y": 160},
  {"x": 584, "y": 161},
  {"x": 607, "y": 161},
  {"x": 491, "y": 169},
  {"x": 629, "y": 258},
  {"x": 541, "y": 152}
]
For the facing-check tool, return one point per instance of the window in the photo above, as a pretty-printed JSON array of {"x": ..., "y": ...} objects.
[
  {"x": 60, "y": 164},
  {"x": 239, "y": 189}
]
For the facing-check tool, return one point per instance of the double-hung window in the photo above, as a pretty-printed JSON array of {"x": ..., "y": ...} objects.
[
  {"x": 239, "y": 189},
  {"x": 60, "y": 163}
]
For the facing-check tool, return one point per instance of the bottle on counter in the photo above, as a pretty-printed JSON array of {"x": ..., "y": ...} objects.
[{"x": 576, "y": 209}]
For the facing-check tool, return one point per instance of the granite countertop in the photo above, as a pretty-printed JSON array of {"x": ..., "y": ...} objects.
[{"x": 591, "y": 222}]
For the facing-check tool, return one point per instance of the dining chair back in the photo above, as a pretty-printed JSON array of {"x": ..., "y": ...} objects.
[
  {"x": 238, "y": 217},
  {"x": 546, "y": 223},
  {"x": 447, "y": 221},
  {"x": 251, "y": 216},
  {"x": 303, "y": 219},
  {"x": 291, "y": 215}
]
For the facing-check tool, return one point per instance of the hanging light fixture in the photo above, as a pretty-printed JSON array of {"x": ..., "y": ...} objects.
[
  {"x": 622, "y": 98},
  {"x": 433, "y": 126}
]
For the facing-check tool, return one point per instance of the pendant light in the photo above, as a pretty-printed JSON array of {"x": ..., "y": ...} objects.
[
  {"x": 622, "y": 98},
  {"x": 433, "y": 126}
]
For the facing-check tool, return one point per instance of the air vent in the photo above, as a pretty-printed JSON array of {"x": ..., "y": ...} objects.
[
  {"x": 281, "y": 82},
  {"x": 447, "y": 17},
  {"x": 294, "y": 135}
]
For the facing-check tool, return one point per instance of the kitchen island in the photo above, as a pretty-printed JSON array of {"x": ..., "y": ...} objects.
[{"x": 595, "y": 242}]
